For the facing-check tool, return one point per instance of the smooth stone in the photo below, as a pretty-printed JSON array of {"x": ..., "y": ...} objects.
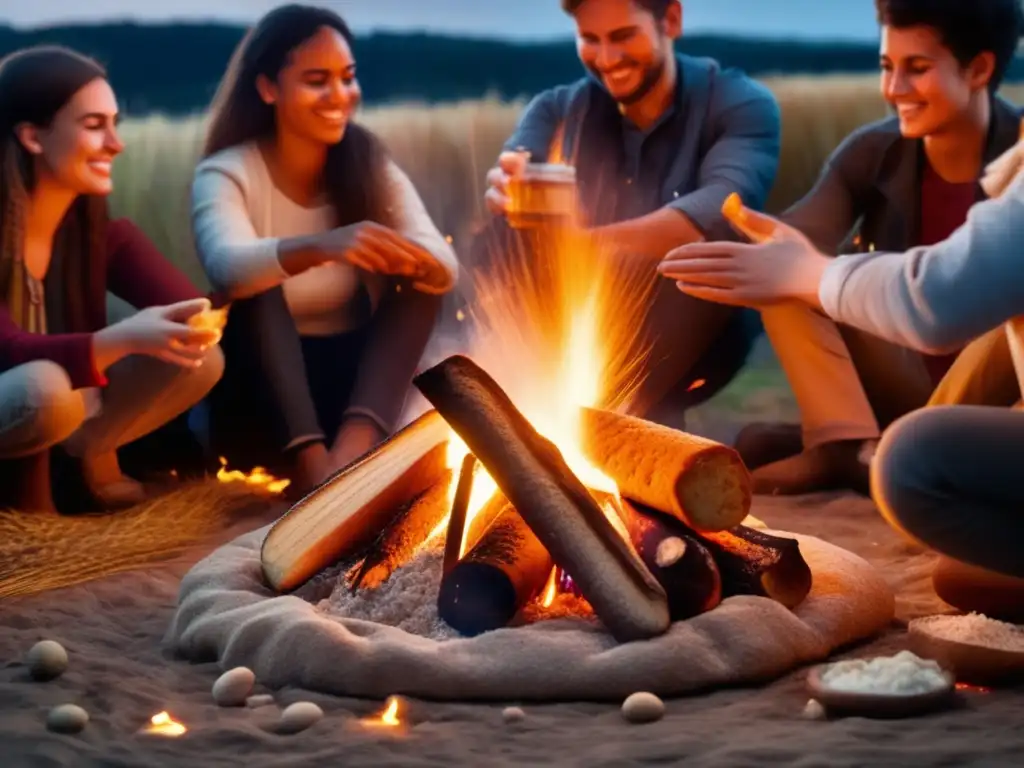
[
  {"x": 643, "y": 707},
  {"x": 47, "y": 660},
  {"x": 814, "y": 710},
  {"x": 67, "y": 718},
  {"x": 513, "y": 714},
  {"x": 299, "y": 716},
  {"x": 259, "y": 700},
  {"x": 233, "y": 687}
]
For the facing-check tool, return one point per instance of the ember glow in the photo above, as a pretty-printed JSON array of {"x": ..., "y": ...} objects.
[
  {"x": 259, "y": 478},
  {"x": 162, "y": 724},
  {"x": 968, "y": 688}
]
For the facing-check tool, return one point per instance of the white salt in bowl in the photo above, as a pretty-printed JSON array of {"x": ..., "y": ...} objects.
[
  {"x": 878, "y": 697},
  {"x": 974, "y": 648}
]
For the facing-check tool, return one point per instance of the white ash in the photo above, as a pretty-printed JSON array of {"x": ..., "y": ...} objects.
[
  {"x": 904, "y": 674},
  {"x": 977, "y": 629},
  {"x": 407, "y": 599}
]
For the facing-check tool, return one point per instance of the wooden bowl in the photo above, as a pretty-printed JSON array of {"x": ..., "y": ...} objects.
[
  {"x": 968, "y": 662},
  {"x": 876, "y": 705}
]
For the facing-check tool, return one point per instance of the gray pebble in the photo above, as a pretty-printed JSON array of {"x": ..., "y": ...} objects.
[
  {"x": 814, "y": 710},
  {"x": 643, "y": 708},
  {"x": 259, "y": 700},
  {"x": 233, "y": 687},
  {"x": 513, "y": 714},
  {"x": 47, "y": 660},
  {"x": 299, "y": 716},
  {"x": 67, "y": 718}
]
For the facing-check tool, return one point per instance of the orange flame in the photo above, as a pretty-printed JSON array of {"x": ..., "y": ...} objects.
[
  {"x": 258, "y": 478},
  {"x": 551, "y": 588},
  {"x": 557, "y": 328},
  {"x": 162, "y": 724},
  {"x": 389, "y": 717}
]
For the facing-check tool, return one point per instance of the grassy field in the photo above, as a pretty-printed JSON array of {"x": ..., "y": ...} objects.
[{"x": 447, "y": 150}]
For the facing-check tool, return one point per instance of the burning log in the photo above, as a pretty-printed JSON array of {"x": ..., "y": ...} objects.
[
  {"x": 702, "y": 483},
  {"x": 757, "y": 563},
  {"x": 533, "y": 475},
  {"x": 400, "y": 540},
  {"x": 682, "y": 565},
  {"x": 460, "y": 508},
  {"x": 353, "y": 506},
  {"x": 496, "y": 578}
]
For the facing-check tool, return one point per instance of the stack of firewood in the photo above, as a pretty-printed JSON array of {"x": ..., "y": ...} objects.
[{"x": 667, "y": 547}]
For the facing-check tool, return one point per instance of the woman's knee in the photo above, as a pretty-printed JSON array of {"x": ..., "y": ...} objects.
[
  {"x": 40, "y": 408},
  {"x": 205, "y": 377}
]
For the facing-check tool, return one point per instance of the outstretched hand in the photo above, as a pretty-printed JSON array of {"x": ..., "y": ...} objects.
[{"x": 783, "y": 265}]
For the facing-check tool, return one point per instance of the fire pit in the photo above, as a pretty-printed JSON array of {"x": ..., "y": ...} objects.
[{"x": 526, "y": 540}]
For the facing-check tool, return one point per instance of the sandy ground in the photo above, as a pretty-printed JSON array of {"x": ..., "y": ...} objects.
[{"x": 113, "y": 628}]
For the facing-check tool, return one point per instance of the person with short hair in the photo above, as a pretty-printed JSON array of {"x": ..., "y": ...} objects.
[
  {"x": 901, "y": 182},
  {"x": 659, "y": 140}
]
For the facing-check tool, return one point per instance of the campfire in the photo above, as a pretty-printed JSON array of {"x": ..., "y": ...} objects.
[{"x": 533, "y": 482}]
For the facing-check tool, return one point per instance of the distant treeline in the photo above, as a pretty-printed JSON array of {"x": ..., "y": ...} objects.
[{"x": 174, "y": 68}]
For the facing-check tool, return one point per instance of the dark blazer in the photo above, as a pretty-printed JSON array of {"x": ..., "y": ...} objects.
[{"x": 869, "y": 191}]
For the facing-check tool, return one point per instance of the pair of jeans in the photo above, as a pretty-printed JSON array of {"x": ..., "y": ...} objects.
[{"x": 279, "y": 391}]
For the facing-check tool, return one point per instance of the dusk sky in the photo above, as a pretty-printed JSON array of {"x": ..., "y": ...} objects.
[{"x": 521, "y": 19}]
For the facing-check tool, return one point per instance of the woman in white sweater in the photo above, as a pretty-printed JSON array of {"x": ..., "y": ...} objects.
[{"x": 323, "y": 246}]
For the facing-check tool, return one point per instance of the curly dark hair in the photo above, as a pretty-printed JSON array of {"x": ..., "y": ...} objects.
[
  {"x": 657, "y": 8},
  {"x": 967, "y": 27}
]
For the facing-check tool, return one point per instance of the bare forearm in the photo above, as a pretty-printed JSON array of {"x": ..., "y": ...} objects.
[
  {"x": 297, "y": 254},
  {"x": 651, "y": 236}
]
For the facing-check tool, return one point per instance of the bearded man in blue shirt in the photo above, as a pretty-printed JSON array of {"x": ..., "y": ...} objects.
[{"x": 659, "y": 140}]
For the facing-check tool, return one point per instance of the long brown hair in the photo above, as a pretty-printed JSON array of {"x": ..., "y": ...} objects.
[
  {"x": 35, "y": 83},
  {"x": 354, "y": 173}
]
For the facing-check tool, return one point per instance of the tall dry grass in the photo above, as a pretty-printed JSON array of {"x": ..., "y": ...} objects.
[{"x": 446, "y": 150}]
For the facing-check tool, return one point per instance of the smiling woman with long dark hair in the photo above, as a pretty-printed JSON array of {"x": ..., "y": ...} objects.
[
  {"x": 322, "y": 243},
  {"x": 66, "y": 377}
]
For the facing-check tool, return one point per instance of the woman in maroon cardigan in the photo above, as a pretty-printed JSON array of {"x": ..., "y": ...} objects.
[{"x": 66, "y": 377}]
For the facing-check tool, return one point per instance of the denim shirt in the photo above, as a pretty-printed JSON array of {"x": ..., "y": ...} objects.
[{"x": 722, "y": 134}]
